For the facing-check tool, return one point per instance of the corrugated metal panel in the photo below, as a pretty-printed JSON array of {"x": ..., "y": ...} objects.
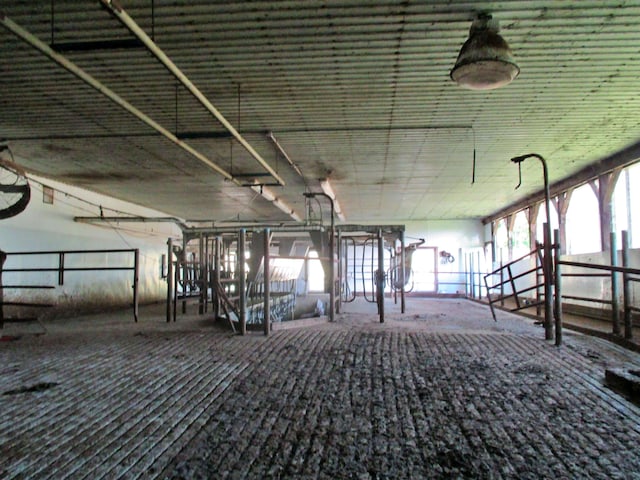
[{"x": 357, "y": 91}]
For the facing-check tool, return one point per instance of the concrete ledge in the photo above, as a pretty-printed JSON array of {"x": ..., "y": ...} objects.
[{"x": 625, "y": 381}]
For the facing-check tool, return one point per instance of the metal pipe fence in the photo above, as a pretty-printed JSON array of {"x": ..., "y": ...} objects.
[{"x": 60, "y": 257}]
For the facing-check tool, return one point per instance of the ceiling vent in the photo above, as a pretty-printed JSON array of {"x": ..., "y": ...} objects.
[{"x": 485, "y": 61}]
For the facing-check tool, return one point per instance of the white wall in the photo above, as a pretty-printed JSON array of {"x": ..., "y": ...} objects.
[
  {"x": 44, "y": 227},
  {"x": 457, "y": 237}
]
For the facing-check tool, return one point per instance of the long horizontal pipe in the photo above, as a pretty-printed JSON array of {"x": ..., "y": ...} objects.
[
  {"x": 175, "y": 220},
  {"x": 119, "y": 12},
  {"x": 106, "y": 91}
]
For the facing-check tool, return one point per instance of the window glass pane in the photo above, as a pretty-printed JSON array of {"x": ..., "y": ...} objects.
[
  {"x": 520, "y": 235},
  {"x": 583, "y": 222},
  {"x": 316, "y": 273},
  {"x": 542, "y": 218},
  {"x": 634, "y": 202}
]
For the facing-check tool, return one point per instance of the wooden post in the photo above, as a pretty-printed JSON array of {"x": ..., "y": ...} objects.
[
  {"x": 242, "y": 283},
  {"x": 136, "y": 277},
  {"x": 615, "y": 287},
  {"x": 169, "y": 277},
  {"x": 266, "y": 324},
  {"x": 626, "y": 287}
]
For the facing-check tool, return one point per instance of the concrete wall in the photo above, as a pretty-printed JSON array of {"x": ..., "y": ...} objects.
[{"x": 44, "y": 227}]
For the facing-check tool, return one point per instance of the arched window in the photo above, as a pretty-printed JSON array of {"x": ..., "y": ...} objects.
[
  {"x": 501, "y": 239},
  {"x": 625, "y": 196},
  {"x": 542, "y": 218},
  {"x": 520, "y": 234},
  {"x": 583, "y": 221}
]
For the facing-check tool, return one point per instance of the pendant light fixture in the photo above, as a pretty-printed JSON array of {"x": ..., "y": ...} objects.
[{"x": 485, "y": 61}]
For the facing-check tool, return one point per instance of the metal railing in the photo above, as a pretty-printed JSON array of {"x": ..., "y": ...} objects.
[
  {"x": 612, "y": 272},
  {"x": 509, "y": 279},
  {"x": 60, "y": 258}
]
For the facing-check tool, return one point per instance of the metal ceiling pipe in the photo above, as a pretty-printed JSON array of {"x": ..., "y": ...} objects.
[
  {"x": 276, "y": 144},
  {"x": 127, "y": 21},
  {"x": 68, "y": 65}
]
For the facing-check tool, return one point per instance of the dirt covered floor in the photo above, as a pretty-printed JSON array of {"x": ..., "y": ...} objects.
[{"x": 442, "y": 391}]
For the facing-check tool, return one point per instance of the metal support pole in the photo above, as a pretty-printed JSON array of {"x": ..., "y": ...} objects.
[
  {"x": 185, "y": 275},
  {"x": 201, "y": 298},
  {"x": 217, "y": 259},
  {"x": 332, "y": 262},
  {"x": 61, "y": 268},
  {"x": 626, "y": 287},
  {"x": 501, "y": 278},
  {"x": 136, "y": 277},
  {"x": 547, "y": 269},
  {"x": 548, "y": 261},
  {"x": 615, "y": 285},
  {"x": 205, "y": 276},
  {"x": 403, "y": 273},
  {"x": 169, "y": 277},
  {"x": 558, "y": 289},
  {"x": 380, "y": 282},
  {"x": 242, "y": 284},
  {"x": 176, "y": 279},
  {"x": 339, "y": 298},
  {"x": 267, "y": 283},
  {"x": 3, "y": 258}
]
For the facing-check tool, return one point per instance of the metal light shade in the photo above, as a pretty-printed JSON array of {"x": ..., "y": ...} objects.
[{"x": 485, "y": 61}]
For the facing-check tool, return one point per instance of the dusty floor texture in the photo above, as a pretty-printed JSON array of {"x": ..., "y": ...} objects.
[{"x": 440, "y": 392}]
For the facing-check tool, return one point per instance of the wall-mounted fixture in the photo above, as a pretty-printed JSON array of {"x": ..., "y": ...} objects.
[
  {"x": 326, "y": 188},
  {"x": 485, "y": 61}
]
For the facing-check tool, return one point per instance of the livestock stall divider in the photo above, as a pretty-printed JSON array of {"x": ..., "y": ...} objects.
[{"x": 61, "y": 257}]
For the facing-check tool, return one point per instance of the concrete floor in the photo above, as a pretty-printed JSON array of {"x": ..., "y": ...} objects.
[{"x": 442, "y": 391}]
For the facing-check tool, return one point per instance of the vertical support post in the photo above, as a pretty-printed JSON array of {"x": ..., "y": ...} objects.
[
  {"x": 615, "y": 285},
  {"x": 61, "y": 268},
  {"x": 217, "y": 260},
  {"x": 205, "y": 275},
  {"x": 626, "y": 287},
  {"x": 169, "y": 277},
  {"x": 3, "y": 258},
  {"x": 339, "y": 299},
  {"x": 201, "y": 298},
  {"x": 501, "y": 279},
  {"x": 136, "y": 281},
  {"x": 380, "y": 279},
  {"x": 472, "y": 276},
  {"x": 479, "y": 274},
  {"x": 403, "y": 273},
  {"x": 266, "y": 324},
  {"x": 558, "y": 288},
  {"x": 176, "y": 279},
  {"x": 242, "y": 283},
  {"x": 548, "y": 272},
  {"x": 186, "y": 285}
]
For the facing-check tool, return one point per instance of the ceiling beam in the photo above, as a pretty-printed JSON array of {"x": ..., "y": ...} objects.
[
  {"x": 134, "y": 28},
  {"x": 618, "y": 160},
  {"x": 71, "y": 67}
]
